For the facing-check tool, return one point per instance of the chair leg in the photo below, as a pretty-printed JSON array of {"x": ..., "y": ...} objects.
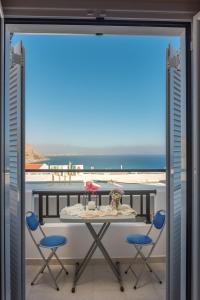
[
  {"x": 60, "y": 262},
  {"x": 134, "y": 260},
  {"x": 129, "y": 267},
  {"x": 156, "y": 276},
  {"x": 133, "y": 272},
  {"x": 146, "y": 264},
  {"x": 49, "y": 269},
  {"x": 138, "y": 278},
  {"x": 41, "y": 270},
  {"x": 52, "y": 277},
  {"x": 46, "y": 264},
  {"x": 145, "y": 260}
]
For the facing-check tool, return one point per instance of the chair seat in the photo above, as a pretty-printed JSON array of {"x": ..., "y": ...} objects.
[
  {"x": 139, "y": 239},
  {"x": 53, "y": 241}
]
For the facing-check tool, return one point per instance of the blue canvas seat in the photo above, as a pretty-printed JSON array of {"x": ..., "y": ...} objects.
[
  {"x": 52, "y": 242},
  {"x": 141, "y": 240}
]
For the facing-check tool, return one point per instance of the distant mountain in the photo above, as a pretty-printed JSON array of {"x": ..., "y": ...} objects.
[
  {"x": 67, "y": 149},
  {"x": 32, "y": 155}
]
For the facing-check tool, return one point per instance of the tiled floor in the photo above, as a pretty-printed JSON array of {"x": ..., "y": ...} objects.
[{"x": 97, "y": 283}]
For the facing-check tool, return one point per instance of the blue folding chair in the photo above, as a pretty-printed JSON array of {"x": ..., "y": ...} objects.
[
  {"x": 139, "y": 241},
  {"x": 52, "y": 242}
]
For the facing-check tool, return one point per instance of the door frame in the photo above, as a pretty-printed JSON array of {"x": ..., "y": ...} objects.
[
  {"x": 167, "y": 24},
  {"x": 196, "y": 161},
  {"x": 2, "y": 169}
]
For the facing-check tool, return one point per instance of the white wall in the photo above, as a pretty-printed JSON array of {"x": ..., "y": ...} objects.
[{"x": 79, "y": 239}]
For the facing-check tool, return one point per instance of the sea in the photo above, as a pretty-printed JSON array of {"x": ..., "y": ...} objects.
[{"x": 132, "y": 161}]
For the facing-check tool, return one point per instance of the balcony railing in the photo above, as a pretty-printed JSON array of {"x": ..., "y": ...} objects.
[
  {"x": 48, "y": 198},
  {"x": 45, "y": 196}
]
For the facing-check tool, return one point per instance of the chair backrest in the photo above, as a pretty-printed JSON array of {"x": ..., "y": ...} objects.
[
  {"x": 32, "y": 221},
  {"x": 159, "y": 219}
]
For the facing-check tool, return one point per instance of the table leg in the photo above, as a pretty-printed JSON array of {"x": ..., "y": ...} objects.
[
  {"x": 120, "y": 276},
  {"x": 80, "y": 268},
  {"x": 114, "y": 268},
  {"x": 94, "y": 246}
]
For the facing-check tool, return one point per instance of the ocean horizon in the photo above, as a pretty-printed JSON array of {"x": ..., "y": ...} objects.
[{"x": 131, "y": 161}]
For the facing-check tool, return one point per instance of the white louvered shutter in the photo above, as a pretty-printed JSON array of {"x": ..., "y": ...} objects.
[
  {"x": 174, "y": 169},
  {"x": 16, "y": 167}
]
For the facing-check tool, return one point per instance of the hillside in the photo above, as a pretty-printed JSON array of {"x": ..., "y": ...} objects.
[{"x": 32, "y": 155}]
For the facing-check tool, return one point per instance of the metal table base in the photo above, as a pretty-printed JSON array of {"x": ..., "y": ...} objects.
[{"x": 115, "y": 267}]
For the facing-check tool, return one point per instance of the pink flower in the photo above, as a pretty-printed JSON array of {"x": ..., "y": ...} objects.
[{"x": 91, "y": 186}]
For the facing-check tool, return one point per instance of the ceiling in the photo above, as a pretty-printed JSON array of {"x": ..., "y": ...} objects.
[{"x": 163, "y": 9}]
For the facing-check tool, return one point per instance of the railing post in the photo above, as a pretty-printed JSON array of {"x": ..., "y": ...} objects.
[
  {"x": 141, "y": 206},
  {"x": 58, "y": 206},
  {"x": 47, "y": 205},
  {"x": 131, "y": 200},
  {"x": 68, "y": 200},
  {"x": 99, "y": 199},
  {"x": 148, "y": 220},
  {"x": 41, "y": 209}
]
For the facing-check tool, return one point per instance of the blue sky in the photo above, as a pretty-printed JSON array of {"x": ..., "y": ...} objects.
[{"x": 99, "y": 92}]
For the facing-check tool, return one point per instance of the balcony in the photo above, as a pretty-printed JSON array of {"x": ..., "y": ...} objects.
[{"x": 48, "y": 192}]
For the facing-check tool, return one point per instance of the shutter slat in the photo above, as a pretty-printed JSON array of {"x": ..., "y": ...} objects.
[
  {"x": 174, "y": 180},
  {"x": 16, "y": 98}
]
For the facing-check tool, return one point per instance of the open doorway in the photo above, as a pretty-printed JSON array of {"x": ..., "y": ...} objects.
[{"x": 140, "y": 174}]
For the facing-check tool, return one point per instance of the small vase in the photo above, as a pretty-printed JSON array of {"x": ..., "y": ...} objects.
[{"x": 115, "y": 203}]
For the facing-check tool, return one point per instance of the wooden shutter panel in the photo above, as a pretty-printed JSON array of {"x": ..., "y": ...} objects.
[
  {"x": 174, "y": 192},
  {"x": 16, "y": 166}
]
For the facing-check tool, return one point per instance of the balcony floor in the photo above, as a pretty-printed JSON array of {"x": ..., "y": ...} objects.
[{"x": 96, "y": 283}]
